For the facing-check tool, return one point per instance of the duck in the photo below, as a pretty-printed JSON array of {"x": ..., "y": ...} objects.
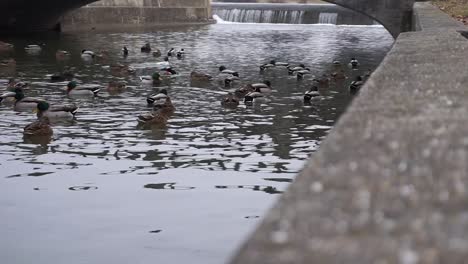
[
  {"x": 354, "y": 62},
  {"x": 200, "y": 77},
  {"x": 6, "y": 47},
  {"x": 102, "y": 55},
  {"x": 273, "y": 64},
  {"x": 323, "y": 80},
  {"x": 158, "y": 98},
  {"x": 33, "y": 49},
  {"x": 300, "y": 74},
  {"x": 14, "y": 84},
  {"x": 87, "y": 54},
  {"x": 230, "y": 101},
  {"x": 171, "y": 52},
  {"x": 40, "y": 127},
  {"x": 168, "y": 72},
  {"x": 66, "y": 75},
  {"x": 356, "y": 84},
  {"x": 125, "y": 51},
  {"x": 313, "y": 92},
  {"x": 153, "y": 79},
  {"x": 73, "y": 89},
  {"x": 115, "y": 87},
  {"x": 264, "y": 87},
  {"x": 146, "y": 48},
  {"x": 121, "y": 70},
  {"x": 166, "y": 107},
  {"x": 243, "y": 91},
  {"x": 292, "y": 70},
  {"x": 338, "y": 75},
  {"x": 367, "y": 74},
  {"x": 224, "y": 70},
  {"x": 62, "y": 55},
  {"x": 180, "y": 54},
  {"x": 336, "y": 63},
  {"x": 152, "y": 119},
  {"x": 23, "y": 103},
  {"x": 255, "y": 96},
  {"x": 10, "y": 96},
  {"x": 163, "y": 64},
  {"x": 157, "y": 53},
  {"x": 56, "y": 111}
]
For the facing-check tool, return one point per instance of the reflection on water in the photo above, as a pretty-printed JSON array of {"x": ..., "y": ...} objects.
[{"x": 226, "y": 160}]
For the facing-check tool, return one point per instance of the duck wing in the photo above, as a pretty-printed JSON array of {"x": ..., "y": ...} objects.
[{"x": 71, "y": 108}]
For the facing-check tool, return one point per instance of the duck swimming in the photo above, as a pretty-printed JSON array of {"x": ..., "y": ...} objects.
[
  {"x": 33, "y": 49},
  {"x": 180, "y": 54},
  {"x": 125, "y": 51},
  {"x": 354, "y": 62},
  {"x": 171, "y": 52},
  {"x": 40, "y": 127},
  {"x": 23, "y": 103},
  {"x": 253, "y": 97},
  {"x": 356, "y": 84},
  {"x": 158, "y": 98},
  {"x": 157, "y": 53},
  {"x": 146, "y": 48},
  {"x": 163, "y": 64},
  {"x": 230, "y": 101},
  {"x": 200, "y": 77},
  {"x": 73, "y": 89},
  {"x": 264, "y": 87},
  {"x": 273, "y": 64},
  {"x": 153, "y": 79},
  {"x": 242, "y": 92},
  {"x": 313, "y": 92},
  {"x": 116, "y": 87},
  {"x": 66, "y": 75},
  {"x": 56, "y": 111},
  {"x": 87, "y": 54},
  {"x": 224, "y": 70}
]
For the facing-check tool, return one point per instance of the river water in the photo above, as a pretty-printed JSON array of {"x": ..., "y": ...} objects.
[{"x": 104, "y": 191}]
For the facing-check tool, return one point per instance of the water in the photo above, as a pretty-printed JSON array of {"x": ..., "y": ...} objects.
[
  {"x": 328, "y": 18},
  {"x": 104, "y": 191},
  {"x": 262, "y": 16}
]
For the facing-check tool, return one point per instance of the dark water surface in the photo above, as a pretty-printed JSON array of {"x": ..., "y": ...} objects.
[{"x": 104, "y": 191}]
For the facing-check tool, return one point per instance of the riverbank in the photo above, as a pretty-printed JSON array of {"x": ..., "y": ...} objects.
[{"x": 458, "y": 9}]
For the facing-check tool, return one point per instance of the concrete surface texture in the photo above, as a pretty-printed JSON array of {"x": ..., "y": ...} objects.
[
  {"x": 390, "y": 182},
  {"x": 33, "y": 15}
]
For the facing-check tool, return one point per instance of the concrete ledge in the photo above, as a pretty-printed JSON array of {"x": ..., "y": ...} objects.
[{"x": 390, "y": 183}]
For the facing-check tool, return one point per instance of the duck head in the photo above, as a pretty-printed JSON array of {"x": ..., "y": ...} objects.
[
  {"x": 313, "y": 89},
  {"x": 273, "y": 62},
  {"x": 71, "y": 85},
  {"x": 19, "y": 95},
  {"x": 267, "y": 82},
  {"x": 41, "y": 108},
  {"x": 163, "y": 91},
  {"x": 221, "y": 68},
  {"x": 156, "y": 77}
]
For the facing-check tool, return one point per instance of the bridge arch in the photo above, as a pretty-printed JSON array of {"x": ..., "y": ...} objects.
[{"x": 394, "y": 15}]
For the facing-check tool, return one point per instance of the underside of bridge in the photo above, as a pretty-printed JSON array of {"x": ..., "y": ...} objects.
[{"x": 34, "y": 15}]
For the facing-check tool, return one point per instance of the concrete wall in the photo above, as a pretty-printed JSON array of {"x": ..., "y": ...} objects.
[
  {"x": 390, "y": 182},
  {"x": 137, "y": 13}
]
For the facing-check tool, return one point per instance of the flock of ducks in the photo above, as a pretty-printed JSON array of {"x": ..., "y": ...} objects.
[{"x": 162, "y": 107}]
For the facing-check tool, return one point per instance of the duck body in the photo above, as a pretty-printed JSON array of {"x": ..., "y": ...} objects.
[
  {"x": 180, "y": 54},
  {"x": 230, "y": 101},
  {"x": 146, "y": 48},
  {"x": 312, "y": 93},
  {"x": 125, "y": 51},
  {"x": 33, "y": 49},
  {"x": 356, "y": 85},
  {"x": 115, "y": 87},
  {"x": 157, "y": 53},
  {"x": 273, "y": 64},
  {"x": 87, "y": 54},
  {"x": 56, "y": 111},
  {"x": 121, "y": 70},
  {"x": 354, "y": 63},
  {"x": 264, "y": 87},
  {"x": 171, "y": 52},
  {"x": 254, "y": 97},
  {"x": 23, "y": 103},
  {"x": 40, "y": 127},
  {"x": 74, "y": 90},
  {"x": 8, "y": 96},
  {"x": 200, "y": 77},
  {"x": 157, "y": 99}
]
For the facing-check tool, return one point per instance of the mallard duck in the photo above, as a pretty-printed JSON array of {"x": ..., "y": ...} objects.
[
  {"x": 23, "y": 103},
  {"x": 292, "y": 70},
  {"x": 125, "y": 51},
  {"x": 40, "y": 127},
  {"x": 56, "y": 111},
  {"x": 171, "y": 52},
  {"x": 62, "y": 55},
  {"x": 356, "y": 84},
  {"x": 163, "y": 64},
  {"x": 200, "y": 77},
  {"x": 115, "y": 87},
  {"x": 121, "y": 70},
  {"x": 230, "y": 101},
  {"x": 168, "y": 72},
  {"x": 6, "y": 47},
  {"x": 13, "y": 84},
  {"x": 273, "y": 64},
  {"x": 146, "y": 48},
  {"x": 243, "y": 91},
  {"x": 166, "y": 108},
  {"x": 33, "y": 49},
  {"x": 66, "y": 75},
  {"x": 10, "y": 96},
  {"x": 157, "y": 53},
  {"x": 255, "y": 96},
  {"x": 159, "y": 98},
  {"x": 224, "y": 70},
  {"x": 153, "y": 79},
  {"x": 87, "y": 54},
  {"x": 152, "y": 119},
  {"x": 313, "y": 92},
  {"x": 180, "y": 54},
  {"x": 264, "y": 87},
  {"x": 354, "y": 62},
  {"x": 73, "y": 89}
]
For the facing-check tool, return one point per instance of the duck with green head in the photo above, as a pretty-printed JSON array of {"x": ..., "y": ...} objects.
[
  {"x": 56, "y": 111},
  {"x": 23, "y": 103},
  {"x": 153, "y": 79},
  {"x": 74, "y": 89}
]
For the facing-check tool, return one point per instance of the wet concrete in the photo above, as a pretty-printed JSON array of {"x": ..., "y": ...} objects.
[{"x": 389, "y": 184}]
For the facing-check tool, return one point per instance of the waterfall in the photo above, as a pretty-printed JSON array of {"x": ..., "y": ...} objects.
[
  {"x": 261, "y": 16},
  {"x": 328, "y": 18}
]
